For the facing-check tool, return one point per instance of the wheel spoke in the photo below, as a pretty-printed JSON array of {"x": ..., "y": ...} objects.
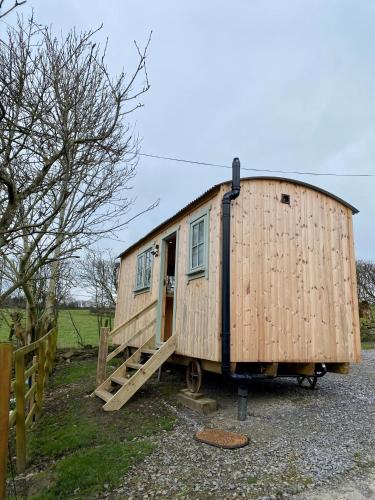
[{"x": 194, "y": 376}]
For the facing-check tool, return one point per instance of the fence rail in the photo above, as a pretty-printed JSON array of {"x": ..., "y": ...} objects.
[{"x": 32, "y": 364}]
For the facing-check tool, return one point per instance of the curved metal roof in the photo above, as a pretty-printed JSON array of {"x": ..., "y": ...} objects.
[
  {"x": 305, "y": 184},
  {"x": 210, "y": 192}
]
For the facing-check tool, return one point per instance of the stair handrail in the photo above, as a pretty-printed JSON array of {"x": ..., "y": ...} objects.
[
  {"x": 123, "y": 346},
  {"x": 133, "y": 318},
  {"x": 105, "y": 335}
]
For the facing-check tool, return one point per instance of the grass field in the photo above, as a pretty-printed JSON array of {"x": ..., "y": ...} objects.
[{"x": 85, "y": 321}]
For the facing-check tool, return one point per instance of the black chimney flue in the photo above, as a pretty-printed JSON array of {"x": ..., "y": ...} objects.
[
  {"x": 225, "y": 267},
  {"x": 236, "y": 174}
]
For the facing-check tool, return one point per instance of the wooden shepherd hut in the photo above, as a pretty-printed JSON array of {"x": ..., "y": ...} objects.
[{"x": 255, "y": 278}]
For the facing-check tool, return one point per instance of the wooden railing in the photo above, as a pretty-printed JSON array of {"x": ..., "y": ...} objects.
[
  {"x": 105, "y": 335},
  {"x": 32, "y": 363}
]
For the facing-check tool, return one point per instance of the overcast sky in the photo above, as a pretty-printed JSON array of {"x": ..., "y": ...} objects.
[{"x": 282, "y": 84}]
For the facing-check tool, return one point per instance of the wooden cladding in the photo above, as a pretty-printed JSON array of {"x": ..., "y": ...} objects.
[
  {"x": 293, "y": 276},
  {"x": 293, "y": 282}
]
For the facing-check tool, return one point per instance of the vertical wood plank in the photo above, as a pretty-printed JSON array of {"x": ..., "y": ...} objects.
[
  {"x": 6, "y": 369},
  {"x": 20, "y": 411},
  {"x": 54, "y": 344},
  {"x": 102, "y": 356},
  {"x": 49, "y": 354},
  {"x": 356, "y": 339},
  {"x": 40, "y": 376}
]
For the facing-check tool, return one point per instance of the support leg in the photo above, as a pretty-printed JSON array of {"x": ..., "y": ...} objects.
[
  {"x": 242, "y": 401},
  {"x": 160, "y": 373}
]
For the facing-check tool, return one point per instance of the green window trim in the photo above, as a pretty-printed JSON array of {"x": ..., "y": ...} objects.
[
  {"x": 143, "y": 271},
  {"x": 198, "y": 246}
]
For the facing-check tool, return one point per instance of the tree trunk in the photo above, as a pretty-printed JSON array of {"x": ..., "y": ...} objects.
[
  {"x": 31, "y": 330},
  {"x": 49, "y": 317}
]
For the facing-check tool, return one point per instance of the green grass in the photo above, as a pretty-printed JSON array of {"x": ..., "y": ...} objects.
[
  {"x": 64, "y": 434},
  {"x": 368, "y": 345},
  {"x": 85, "y": 321},
  {"x": 81, "y": 450},
  {"x": 89, "y": 471},
  {"x": 77, "y": 372}
]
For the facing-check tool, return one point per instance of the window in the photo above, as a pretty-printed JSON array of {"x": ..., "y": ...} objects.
[
  {"x": 143, "y": 272},
  {"x": 198, "y": 246},
  {"x": 285, "y": 198}
]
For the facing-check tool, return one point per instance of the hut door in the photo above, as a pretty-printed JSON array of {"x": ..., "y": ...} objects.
[{"x": 169, "y": 286}]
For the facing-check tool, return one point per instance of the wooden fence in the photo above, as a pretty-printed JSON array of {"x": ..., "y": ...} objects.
[{"x": 32, "y": 365}]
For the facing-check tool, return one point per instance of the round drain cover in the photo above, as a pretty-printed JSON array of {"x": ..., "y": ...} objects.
[{"x": 222, "y": 438}]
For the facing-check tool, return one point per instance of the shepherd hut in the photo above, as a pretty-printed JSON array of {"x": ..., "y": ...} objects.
[{"x": 255, "y": 278}]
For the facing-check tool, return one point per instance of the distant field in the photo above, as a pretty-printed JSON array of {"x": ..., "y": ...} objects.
[{"x": 85, "y": 322}]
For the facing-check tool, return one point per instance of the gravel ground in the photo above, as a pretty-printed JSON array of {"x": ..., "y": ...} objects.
[{"x": 304, "y": 443}]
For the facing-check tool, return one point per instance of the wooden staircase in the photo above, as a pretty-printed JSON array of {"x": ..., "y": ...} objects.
[{"x": 128, "y": 378}]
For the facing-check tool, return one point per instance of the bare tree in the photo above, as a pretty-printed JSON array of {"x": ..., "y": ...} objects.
[
  {"x": 366, "y": 281},
  {"x": 97, "y": 272},
  {"x": 67, "y": 152},
  {"x": 62, "y": 105},
  {"x": 6, "y": 8}
]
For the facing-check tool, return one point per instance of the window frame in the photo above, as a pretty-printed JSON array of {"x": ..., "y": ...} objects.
[
  {"x": 143, "y": 254},
  {"x": 200, "y": 270}
]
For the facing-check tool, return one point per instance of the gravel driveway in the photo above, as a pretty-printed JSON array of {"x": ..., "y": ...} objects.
[{"x": 304, "y": 443}]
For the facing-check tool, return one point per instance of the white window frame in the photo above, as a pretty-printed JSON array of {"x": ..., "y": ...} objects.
[
  {"x": 142, "y": 285},
  {"x": 201, "y": 268}
]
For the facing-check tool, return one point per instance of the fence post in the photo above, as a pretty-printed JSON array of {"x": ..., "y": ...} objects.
[
  {"x": 54, "y": 337},
  {"x": 6, "y": 370},
  {"x": 102, "y": 355},
  {"x": 20, "y": 411},
  {"x": 49, "y": 354},
  {"x": 40, "y": 377}
]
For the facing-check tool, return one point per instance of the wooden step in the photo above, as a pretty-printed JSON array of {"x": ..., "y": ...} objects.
[
  {"x": 149, "y": 351},
  {"x": 103, "y": 394},
  {"x": 139, "y": 378},
  {"x": 122, "y": 369},
  {"x": 135, "y": 366},
  {"x": 118, "y": 380}
]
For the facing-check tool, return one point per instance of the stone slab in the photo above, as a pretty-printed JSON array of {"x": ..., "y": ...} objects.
[
  {"x": 202, "y": 405},
  {"x": 192, "y": 395}
]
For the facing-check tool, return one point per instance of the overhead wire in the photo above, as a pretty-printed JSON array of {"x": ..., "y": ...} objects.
[{"x": 253, "y": 169}]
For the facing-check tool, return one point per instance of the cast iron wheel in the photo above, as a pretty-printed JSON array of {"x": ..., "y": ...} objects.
[
  {"x": 194, "y": 376},
  {"x": 307, "y": 382}
]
